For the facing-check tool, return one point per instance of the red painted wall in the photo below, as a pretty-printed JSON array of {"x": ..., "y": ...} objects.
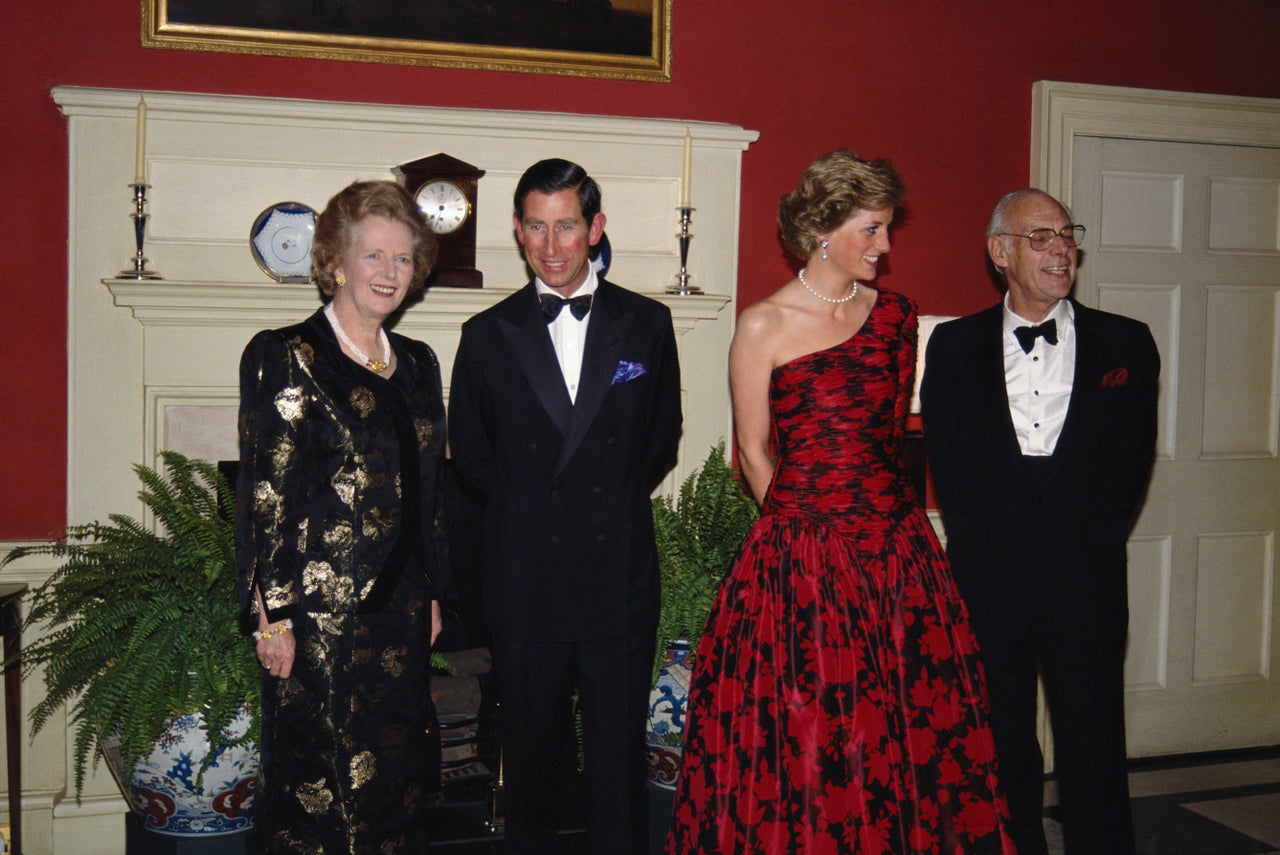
[{"x": 943, "y": 90}]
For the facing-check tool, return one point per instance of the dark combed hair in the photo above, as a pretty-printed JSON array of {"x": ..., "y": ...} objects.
[
  {"x": 552, "y": 176},
  {"x": 831, "y": 189},
  {"x": 352, "y": 204}
]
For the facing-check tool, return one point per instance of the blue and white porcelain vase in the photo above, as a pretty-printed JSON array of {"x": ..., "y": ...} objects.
[
  {"x": 664, "y": 737},
  {"x": 162, "y": 790}
]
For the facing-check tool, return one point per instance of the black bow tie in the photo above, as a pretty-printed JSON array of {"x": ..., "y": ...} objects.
[
  {"x": 551, "y": 305},
  {"x": 1027, "y": 335}
]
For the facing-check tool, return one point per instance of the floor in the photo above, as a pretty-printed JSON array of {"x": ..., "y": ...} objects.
[
  {"x": 1203, "y": 805},
  {"x": 1223, "y": 805}
]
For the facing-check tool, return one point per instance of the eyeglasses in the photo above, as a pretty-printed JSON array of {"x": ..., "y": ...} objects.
[{"x": 1041, "y": 238}]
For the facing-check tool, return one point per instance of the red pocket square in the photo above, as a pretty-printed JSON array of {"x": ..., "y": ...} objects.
[{"x": 1115, "y": 378}]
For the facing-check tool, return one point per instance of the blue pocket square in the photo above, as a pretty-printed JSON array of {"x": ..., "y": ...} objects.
[{"x": 627, "y": 371}]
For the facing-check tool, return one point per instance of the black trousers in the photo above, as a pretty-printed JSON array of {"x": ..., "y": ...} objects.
[
  {"x": 535, "y": 682},
  {"x": 1083, "y": 672}
]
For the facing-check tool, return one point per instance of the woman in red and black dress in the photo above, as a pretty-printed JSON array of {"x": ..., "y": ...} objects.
[{"x": 837, "y": 704}]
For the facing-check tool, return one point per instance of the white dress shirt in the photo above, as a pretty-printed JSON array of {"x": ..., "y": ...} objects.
[
  {"x": 1039, "y": 382},
  {"x": 569, "y": 335}
]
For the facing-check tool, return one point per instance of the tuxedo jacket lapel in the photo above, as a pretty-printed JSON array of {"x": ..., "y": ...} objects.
[
  {"x": 526, "y": 332},
  {"x": 990, "y": 356},
  {"x": 1079, "y": 410},
  {"x": 605, "y": 336}
]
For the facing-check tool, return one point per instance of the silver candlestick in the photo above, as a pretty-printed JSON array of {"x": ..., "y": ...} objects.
[
  {"x": 139, "y": 217},
  {"x": 683, "y": 283}
]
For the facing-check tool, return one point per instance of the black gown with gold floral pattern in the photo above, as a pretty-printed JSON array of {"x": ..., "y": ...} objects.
[{"x": 336, "y": 526}]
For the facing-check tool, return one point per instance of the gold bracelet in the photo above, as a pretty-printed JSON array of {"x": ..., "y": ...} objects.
[{"x": 282, "y": 627}]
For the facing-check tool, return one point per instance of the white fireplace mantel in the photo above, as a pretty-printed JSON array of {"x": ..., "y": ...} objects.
[
  {"x": 213, "y": 304},
  {"x": 153, "y": 365}
]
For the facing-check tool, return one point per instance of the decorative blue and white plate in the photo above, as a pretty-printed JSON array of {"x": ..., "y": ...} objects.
[{"x": 281, "y": 241}]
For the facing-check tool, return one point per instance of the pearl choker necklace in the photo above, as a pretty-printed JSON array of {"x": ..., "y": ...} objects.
[
  {"x": 844, "y": 299},
  {"x": 377, "y": 366}
]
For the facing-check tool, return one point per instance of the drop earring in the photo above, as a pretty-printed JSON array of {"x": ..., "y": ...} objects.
[{"x": 825, "y": 244}]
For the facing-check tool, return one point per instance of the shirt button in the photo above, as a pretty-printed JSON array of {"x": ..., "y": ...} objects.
[
  {"x": 1035, "y": 424},
  {"x": 599, "y": 538},
  {"x": 555, "y": 538},
  {"x": 597, "y": 489}
]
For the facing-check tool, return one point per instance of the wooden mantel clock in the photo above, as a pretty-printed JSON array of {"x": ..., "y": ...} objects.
[{"x": 445, "y": 189}]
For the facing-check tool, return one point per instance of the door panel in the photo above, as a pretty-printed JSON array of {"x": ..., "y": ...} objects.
[{"x": 1186, "y": 237}]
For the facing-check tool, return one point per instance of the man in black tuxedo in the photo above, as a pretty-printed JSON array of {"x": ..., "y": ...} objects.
[
  {"x": 564, "y": 414},
  {"x": 1040, "y": 425}
]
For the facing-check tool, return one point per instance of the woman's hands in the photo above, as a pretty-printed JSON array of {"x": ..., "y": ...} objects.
[
  {"x": 437, "y": 622},
  {"x": 276, "y": 646}
]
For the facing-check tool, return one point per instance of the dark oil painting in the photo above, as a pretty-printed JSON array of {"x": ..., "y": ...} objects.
[{"x": 590, "y": 37}]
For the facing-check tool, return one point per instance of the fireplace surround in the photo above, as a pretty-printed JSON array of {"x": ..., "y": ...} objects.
[{"x": 152, "y": 365}]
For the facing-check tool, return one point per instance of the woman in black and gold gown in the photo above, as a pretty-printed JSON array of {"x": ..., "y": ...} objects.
[{"x": 342, "y": 433}]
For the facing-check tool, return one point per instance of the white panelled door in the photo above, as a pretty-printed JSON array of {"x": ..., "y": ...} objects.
[{"x": 1186, "y": 237}]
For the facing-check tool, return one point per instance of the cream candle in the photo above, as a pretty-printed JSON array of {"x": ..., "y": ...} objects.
[
  {"x": 140, "y": 146},
  {"x": 688, "y": 170}
]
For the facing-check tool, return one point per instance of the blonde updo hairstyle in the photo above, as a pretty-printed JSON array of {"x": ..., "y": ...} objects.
[
  {"x": 335, "y": 229},
  {"x": 830, "y": 191}
]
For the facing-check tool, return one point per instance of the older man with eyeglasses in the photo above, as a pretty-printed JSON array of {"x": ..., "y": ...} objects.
[{"x": 1040, "y": 424}]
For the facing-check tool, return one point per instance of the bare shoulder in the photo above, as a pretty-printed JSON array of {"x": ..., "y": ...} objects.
[
  {"x": 774, "y": 313},
  {"x": 761, "y": 318},
  {"x": 759, "y": 331}
]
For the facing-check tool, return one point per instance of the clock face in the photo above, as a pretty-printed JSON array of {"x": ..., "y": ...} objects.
[{"x": 444, "y": 205}]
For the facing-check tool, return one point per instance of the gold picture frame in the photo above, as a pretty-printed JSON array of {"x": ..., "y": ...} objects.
[{"x": 622, "y": 39}]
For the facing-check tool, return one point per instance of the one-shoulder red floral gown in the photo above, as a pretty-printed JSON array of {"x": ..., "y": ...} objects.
[{"x": 837, "y": 703}]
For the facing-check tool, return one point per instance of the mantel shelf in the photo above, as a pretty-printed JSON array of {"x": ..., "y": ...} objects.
[{"x": 171, "y": 302}]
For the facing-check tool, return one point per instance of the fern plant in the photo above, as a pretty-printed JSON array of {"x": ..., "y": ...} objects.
[
  {"x": 137, "y": 626},
  {"x": 698, "y": 535}
]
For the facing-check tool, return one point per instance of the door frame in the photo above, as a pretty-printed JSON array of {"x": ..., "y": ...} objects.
[{"x": 1060, "y": 112}]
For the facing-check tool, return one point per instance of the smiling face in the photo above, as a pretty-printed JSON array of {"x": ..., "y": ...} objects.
[
  {"x": 1037, "y": 279},
  {"x": 858, "y": 243},
  {"x": 378, "y": 267},
  {"x": 557, "y": 239}
]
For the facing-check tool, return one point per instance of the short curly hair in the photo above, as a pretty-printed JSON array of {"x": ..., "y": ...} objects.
[
  {"x": 360, "y": 199},
  {"x": 831, "y": 189}
]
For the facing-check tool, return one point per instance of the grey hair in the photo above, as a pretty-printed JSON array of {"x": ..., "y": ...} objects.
[{"x": 1000, "y": 215}]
